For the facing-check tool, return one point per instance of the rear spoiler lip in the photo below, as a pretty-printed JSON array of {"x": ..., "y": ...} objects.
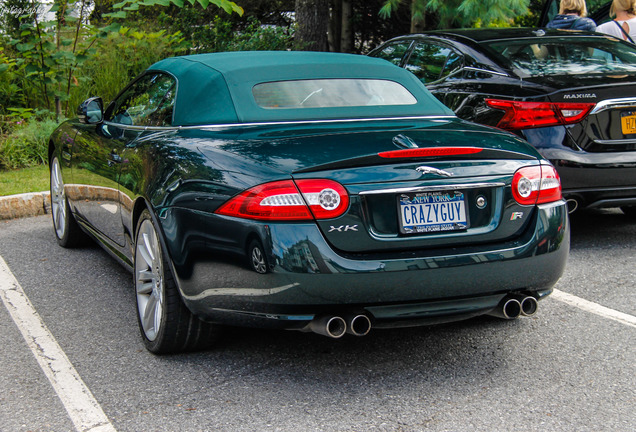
[{"x": 376, "y": 159}]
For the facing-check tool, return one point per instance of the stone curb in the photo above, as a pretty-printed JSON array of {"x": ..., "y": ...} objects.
[{"x": 25, "y": 205}]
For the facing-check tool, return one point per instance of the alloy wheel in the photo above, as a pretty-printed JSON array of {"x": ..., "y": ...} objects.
[
  {"x": 58, "y": 199},
  {"x": 258, "y": 259},
  {"x": 149, "y": 280}
]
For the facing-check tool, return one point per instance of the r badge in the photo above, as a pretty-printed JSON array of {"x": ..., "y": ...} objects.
[{"x": 516, "y": 215}]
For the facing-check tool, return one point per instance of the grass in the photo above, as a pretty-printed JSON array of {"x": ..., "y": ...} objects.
[{"x": 34, "y": 179}]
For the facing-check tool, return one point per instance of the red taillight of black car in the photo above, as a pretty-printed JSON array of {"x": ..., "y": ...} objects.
[
  {"x": 536, "y": 185},
  {"x": 287, "y": 200},
  {"x": 527, "y": 115}
]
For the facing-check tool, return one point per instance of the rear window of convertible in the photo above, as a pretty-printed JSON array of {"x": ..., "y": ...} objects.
[{"x": 329, "y": 93}]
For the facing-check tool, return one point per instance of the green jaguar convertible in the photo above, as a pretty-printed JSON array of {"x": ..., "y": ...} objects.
[{"x": 309, "y": 191}]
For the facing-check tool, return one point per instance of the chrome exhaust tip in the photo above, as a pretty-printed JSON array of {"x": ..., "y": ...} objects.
[
  {"x": 508, "y": 308},
  {"x": 572, "y": 205},
  {"x": 331, "y": 326},
  {"x": 359, "y": 325},
  {"x": 529, "y": 306}
]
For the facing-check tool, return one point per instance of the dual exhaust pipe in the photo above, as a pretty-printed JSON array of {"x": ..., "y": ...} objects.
[
  {"x": 511, "y": 307},
  {"x": 516, "y": 305},
  {"x": 336, "y": 326}
]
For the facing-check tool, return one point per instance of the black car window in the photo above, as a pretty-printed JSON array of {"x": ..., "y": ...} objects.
[
  {"x": 571, "y": 55},
  {"x": 454, "y": 62},
  {"x": 148, "y": 102},
  {"x": 431, "y": 62},
  {"x": 394, "y": 52}
]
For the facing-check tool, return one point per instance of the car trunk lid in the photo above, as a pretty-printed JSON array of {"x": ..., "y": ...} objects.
[{"x": 458, "y": 175}]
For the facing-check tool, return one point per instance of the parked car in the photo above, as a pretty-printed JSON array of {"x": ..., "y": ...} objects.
[
  {"x": 572, "y": 95},
  {"x": 309, "y": 191}
]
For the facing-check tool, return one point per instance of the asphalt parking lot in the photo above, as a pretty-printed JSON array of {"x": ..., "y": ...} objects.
[{"x": 568, "y": 368}]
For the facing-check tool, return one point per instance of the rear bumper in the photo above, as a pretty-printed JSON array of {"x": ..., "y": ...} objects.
[{"x": 307, "y": 277}]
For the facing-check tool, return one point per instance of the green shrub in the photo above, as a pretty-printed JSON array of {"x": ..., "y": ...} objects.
[
  {"x": 26, "y": 145},
  {"x": 121, "y": 56},
  {"x": 255, "y": 37}
]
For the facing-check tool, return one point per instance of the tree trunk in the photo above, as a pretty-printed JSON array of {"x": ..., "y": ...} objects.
[
  {"x": 335, "y": 25},
  {"x": 418, "y": 22},
  {"x": 312, "y": 17},
  {"x": 346, "y": 44}
]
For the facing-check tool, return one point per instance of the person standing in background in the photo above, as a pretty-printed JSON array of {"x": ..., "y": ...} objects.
[
  {"x": 573, "y": 16},
  {"x": 624, "y": 24}
]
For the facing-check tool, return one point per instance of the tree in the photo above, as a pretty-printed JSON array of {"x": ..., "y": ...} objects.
[
  {"x": 354, "y": 25},
  {"x": 10, "y": 13},
  {"x": 459, "y": 13},
  {"x": 48, "y": 56},
  {"x": 312, "y": 18}
]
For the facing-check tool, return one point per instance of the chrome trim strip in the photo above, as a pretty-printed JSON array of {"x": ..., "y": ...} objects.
[
  {"x": 618, "y": 141},
  {"x": 274, "y": 123},
  {"x": 613, "y": 104},
  {"x": 432, "y": 188},
  {"x": 474, "y": 69}
]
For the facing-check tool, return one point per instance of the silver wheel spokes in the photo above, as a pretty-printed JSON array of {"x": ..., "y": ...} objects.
[
  {"x": 258, "y": 260},
  {"x": 58, "y": 199},
  {"x": 149, "y": 279}
]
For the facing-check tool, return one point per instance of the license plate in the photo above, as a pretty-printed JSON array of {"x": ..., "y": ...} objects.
[
  {"x": 628, "y": 122},
  {"x": 429, "y": 212}
]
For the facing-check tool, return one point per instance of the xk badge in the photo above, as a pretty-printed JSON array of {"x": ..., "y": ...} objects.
[{"x": 343, "y": 228}]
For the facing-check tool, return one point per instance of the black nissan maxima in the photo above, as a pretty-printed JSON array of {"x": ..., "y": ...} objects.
[{"x": 571, "y": 94}]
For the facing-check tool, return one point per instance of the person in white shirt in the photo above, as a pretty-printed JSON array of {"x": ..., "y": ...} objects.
[{"x": 624, "y": 24}]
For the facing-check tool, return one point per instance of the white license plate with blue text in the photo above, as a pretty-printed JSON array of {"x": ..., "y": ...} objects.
[{"x": 428, "y": 212}]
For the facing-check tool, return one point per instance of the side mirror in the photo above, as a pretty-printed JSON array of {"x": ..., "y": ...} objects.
[{"x": 91, "y": 111}]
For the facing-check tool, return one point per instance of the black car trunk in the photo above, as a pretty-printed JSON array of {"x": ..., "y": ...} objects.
[{"x": 611, "y": 125}]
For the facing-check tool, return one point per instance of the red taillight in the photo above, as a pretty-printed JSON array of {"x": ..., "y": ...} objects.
[
  {"x": 429, "y": 152},
  {"x": 526, "y": 115},
  {"x": 283, "y": 201},
  {"x": 536, "y": 185}
]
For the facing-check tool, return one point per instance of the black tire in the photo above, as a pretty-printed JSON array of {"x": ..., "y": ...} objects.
[
  {"x": 67, "y": 231},
  {"x": 629, "y": 211},
  {"x": 165, "y": 323}
]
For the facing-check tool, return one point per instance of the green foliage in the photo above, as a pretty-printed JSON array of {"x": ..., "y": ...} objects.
[
  {"x": 51, "y": 64},
  {"x": 10, "y": 92},
  {"x": 133, "y": 5},
  {"x": 208, "y": 31},
  {"x": 27, "y": 144},
  {"x": 255, "y": 37},
  {"x": 123, "y": 55},
  {"x": 463, "y": 13}
]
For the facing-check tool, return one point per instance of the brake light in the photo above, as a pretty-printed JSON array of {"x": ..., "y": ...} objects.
[
  {"x": 536, "y": 185},
  {"x": 526, "y": 115},
  {"x": 289, "y": 201},
  {"x": 429, "y": 152}
]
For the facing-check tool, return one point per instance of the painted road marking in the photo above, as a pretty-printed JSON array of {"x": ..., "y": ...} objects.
[
  {"x": 594, "y": 308},
  {"x": 78, "y": 400}
]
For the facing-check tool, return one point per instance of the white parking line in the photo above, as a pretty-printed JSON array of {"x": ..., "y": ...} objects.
[
  {"x": 594, "y": 308},
  {"x": 78, "y": 400}
]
